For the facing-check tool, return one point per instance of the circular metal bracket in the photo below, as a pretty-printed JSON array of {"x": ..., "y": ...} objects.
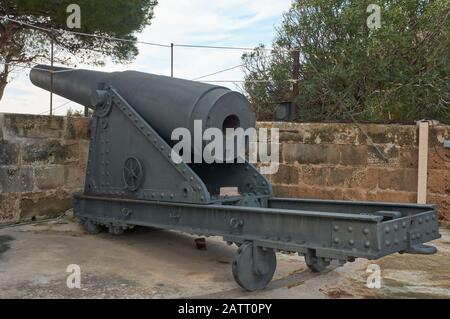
[
  {"x": 133, "y": 174},
  {"x": 104, "y": 122},
  {"x": 104, "y": 109},
  {"x": 101, "y": 100},
  {"x": 236, "y": 223},
  {"x": 126, "y": 212}
]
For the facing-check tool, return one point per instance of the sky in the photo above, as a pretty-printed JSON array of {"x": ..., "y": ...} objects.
[{"x": 240, "y": 23}]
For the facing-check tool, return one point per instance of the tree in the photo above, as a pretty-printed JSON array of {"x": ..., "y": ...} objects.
[
  {"x": 398, "y": 72},
  {"x": 23, "y": 45},
  {"x": 77, "y": 113}
]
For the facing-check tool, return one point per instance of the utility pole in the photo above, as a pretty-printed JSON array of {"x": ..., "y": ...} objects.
[
  {"x": 51, "y": 75},
  {"x": 295, "y": 87},
  {"x": 171, "y": 60}
]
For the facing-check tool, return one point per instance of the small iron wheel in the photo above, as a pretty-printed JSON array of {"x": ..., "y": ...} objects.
[
  {"x": 253, "y": 267},
  {"x": 92, "y": 228},
  {"x": 316, "y": 264},
  {"x": 116, "y": 230}
]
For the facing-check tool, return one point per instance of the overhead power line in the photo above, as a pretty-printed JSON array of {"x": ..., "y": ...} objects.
[
  {"x": 195, "y": 79},
  {"x": 35, "y": 68},
  {"x": 48, "y": 30},
  {"x": 248, "y": 81},
  {"x": 220, "y": 47},
  {"x": 85, "y": 34},
  {"x": 56, "y": 108},
  {"x": 218, "y": 72},
  {"x": 170, "y": 46}
]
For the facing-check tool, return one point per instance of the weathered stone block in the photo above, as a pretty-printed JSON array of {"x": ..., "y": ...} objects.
[
  {"x": 408, "y": 157},
  {"x": 340, "y": 176},
  {"x": 311, "y": 153},
  {"x": 398, "y": 179},
  {"x": 357, "y": 194},
  {"x": 284, "y": 191},
  {"x": 8, "y": 207},
  {"x": 49, "y": 204},
  {"x": 318, "y": 133},
  {"x": 290, "y": 136},
  {"x": 307, "y": 191},
  {"x": 392, "y": 196},
  {"x": 33, "y": 126},
  {"x": 83, "y": 153},
  {"x": 353, "y": 177},
  {"x": 49, "y": 151},
  {"x": 268, "y": 125},
  {"x": 439, "y": 181},
  {"x": 349, "y": 134},
  {"x": 366, "y": 178},
  {"x": 392, "y": 134},
  {"x": 73, "y": 177},
  {"x": 439, "y": 158},
  {"x": 9, "y": 153},
  {"x": 443, "y": 202},
  {"x": 389, "y": 151},
  {"x": 16, "y": 179},
  {"x": 49, "y": 177},
  {"x": 77, "y": 128},
  {"x": 314, "y": 175},
  {"x": 287, "y": 174},
  {"x": 353, "y": 155}
]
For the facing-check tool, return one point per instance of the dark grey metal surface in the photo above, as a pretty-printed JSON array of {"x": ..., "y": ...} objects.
[
  {"x": 165, "y": 103},
  {"x": 132, "y": 180},
  {"x": 254, "y": 266},
  {"x": 331, "y": 235},
  {"x": 161, "y": 179}
]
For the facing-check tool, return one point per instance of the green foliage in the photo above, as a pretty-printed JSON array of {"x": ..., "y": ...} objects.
[
  {"x": 77, "y": 113},
  {"x": 25, "y": 45},
  {"x": 399, "y": 72}
]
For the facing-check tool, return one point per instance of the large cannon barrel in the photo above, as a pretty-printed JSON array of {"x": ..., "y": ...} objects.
[{"x": 165, "y": 103}]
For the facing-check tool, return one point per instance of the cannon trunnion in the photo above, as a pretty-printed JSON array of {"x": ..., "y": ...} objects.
[{"x": 131, "y": 180}]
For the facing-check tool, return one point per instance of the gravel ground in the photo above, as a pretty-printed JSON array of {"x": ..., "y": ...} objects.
[{"x": 150, "y": 263}]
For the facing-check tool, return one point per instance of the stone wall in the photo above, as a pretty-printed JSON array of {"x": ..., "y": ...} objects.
[
  {"x": 336, "y": 161},
  {"x": 43, "y": 159},
  {"x": 42, "y": 163}
]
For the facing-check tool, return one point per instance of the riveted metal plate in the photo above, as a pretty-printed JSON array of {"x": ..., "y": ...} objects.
[
  {"x": 354, "y": 237},
  {"x": 403, "y": 233}
]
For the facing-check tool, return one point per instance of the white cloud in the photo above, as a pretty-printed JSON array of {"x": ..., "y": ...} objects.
[{"x": 242, "y": 23}]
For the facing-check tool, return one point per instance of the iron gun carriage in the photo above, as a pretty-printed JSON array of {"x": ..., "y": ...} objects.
[{"x": 132, "y": 180}]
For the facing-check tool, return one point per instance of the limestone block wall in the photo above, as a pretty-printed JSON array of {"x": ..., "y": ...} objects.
[
  {"x": 42, "y": 163},
  {"x": 336, "y": 161}
]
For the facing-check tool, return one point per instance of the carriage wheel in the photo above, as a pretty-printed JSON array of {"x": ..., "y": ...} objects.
[
  {"x": 316, "y": 264},
  {"x": 253, "y": 267}
]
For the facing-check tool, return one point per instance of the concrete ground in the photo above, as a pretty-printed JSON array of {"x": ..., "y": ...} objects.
[{"x": 148, "y": 263}]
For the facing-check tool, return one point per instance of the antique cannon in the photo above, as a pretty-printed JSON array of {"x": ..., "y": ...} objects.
[{"x": 131, "y": 180}]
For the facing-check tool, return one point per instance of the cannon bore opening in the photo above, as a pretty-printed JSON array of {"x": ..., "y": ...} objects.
[{"x": 231, "y": 121}]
